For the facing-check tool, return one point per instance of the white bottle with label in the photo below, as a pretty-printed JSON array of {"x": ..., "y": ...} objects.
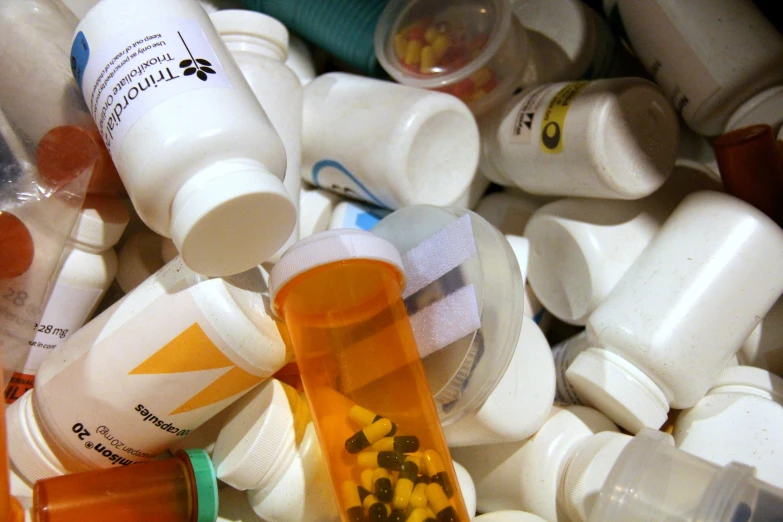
[
  {"x": 582, "y": 247},
  {"x": 400, "y": 146},
  {"x": 613, "y": 139},
  {"x": 147, "y": 371},
  {"x": 712, "y": 271},
  {"x": 143, "y": 254},
  {"x": 348, "y": 214},
  {"x": 520, "y": 402},
  {"x": 88, "y": 269},
  {"x": 740, "y": 419},
  {"x": 195, "y": 150},
  {"x": 259, "y": 45},
  {"x": 528, "y": 475},
  {"x": 709, "y": 57}
]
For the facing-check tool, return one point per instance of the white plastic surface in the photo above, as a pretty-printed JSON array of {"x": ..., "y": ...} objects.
[
  {"x": 714, "y": 269},
  {"x": 509, "y": 516},
  {"x": 401, "y": 145},
  {"x": 526, "y": 475},
  {"x": 200, "y": 192},
  {"x": 740, "y": 420},
  {"x": 300, "y": 60},
  {"x": 521, "y": 401},
  {"x": 764, "y": 346},
  {"x": 466, "y": 487},
  {"x": 315, "y": 210},
  {"x": 764, "y": 108},
  {"x": 612, "y": 139}
]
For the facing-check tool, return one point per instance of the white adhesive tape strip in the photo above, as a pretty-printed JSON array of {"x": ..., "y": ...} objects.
[
  {"x": 438, "y": 254},
  {"x": 445, "y": 321}
]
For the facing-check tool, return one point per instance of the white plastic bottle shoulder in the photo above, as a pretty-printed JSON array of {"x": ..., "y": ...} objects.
[
  {"x": 712, "y": 271},
  {"x": 147, "y": 371},
  {"x": 88, "y": 269},
  {"x": 195, "y": 150},
  {"x": 259, "y": 45},
  {"x": 300, "y": 60},
  {"x": 709, "y": 57},
  {"x": 315, "y": 210},
  {"x": 740, "y": 420},
  {"x": 613, "y": 139},
  {"x": 527, "y": 475},
  {"x": 143, "y": 254},
  {"x": 520, "y": 402},
  {"x": 764, "y": 346}
]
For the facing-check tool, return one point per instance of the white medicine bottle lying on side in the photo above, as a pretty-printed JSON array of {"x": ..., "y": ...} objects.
[
  {"x": 195, "y": 150},
  {"x": 146, "y": 372},
  {"x": 614, "y": 139},
  {"x": 88, "y": 269}
]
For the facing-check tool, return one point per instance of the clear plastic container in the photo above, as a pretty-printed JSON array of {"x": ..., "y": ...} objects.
[
  {"x": 473, "y": 49},
  {"x": 340, "y": 295},
  {"x": 463, "y": 374},
  {"x": 653, "y": 480}
]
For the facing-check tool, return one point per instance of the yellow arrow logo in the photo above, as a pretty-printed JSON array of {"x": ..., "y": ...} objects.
[{"x": 193, "y": 351}]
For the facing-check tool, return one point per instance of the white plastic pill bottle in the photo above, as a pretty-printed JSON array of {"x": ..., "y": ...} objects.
[
  {"x": 509, "y": 516},
  {"x": 315, "y": 210},
  {"x": 708, "y": 57},
  {"x": 387, "y": 144},
  {"x": 146, "y": 372},
  {"x": 530, "y": 475},
  {"x": 195, "y": 150},
  {"x": 764, "y": 346},
  {"x": 259, "y": 45},
  {"x": 681, "y": 312},
  {"x": 740, "y": 419},
  {"x": 88, "y": 269},
  {"x": 613, "y": 139},
  {"x": 143, "y": 254}
]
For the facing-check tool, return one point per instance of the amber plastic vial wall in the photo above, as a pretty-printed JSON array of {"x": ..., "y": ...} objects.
[
  {"x": 613, "y": 139},
  {"x": 259, "y": 45},
  {"x": 718, "y": 262},
  {"x": 340, "y": 295},
  {"x": 164, "y": 86},
  {"x": 146, "y": 372},
  {"x": 178, "y": 489},
  {"x": 88, "y": 269},
  {"x": 705, "y": 82}
]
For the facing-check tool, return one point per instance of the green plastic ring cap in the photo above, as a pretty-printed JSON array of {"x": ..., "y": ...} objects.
[{"x": 206, "y": 484}]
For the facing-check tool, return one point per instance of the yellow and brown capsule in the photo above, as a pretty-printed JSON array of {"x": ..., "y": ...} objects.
[
  {"x": 375, "y": 508},
  {"x": 420, "y": 515},
  {"x": 353, "y": 511},
  {"x": 363, "y": 438},
  {"x": 363, "y": 493},
  {"x": 444, "y": 511},
  {"x": 383, "y": 485},
  {"x": 438, "y": 472},
  {"x": 366, "y": 478},
  {"x": 390, "y": 460},
  {"x": 404, "y": 486},
  {"x": 365, "y": 418},
  {"x": 397, "y": 515},
  {"x": 402, "y": 444},
  {"x": 419, "y": 496}
]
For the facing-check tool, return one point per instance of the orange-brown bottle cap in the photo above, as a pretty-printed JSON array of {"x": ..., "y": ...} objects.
[{"x": 16, "y": 246}]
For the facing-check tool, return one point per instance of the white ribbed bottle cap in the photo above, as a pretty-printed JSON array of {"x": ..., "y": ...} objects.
[
  {"x": 618, "y": 389},
  {"x": 257, "y": 437},
  {"x": 751, "y": 377},
  {"x": 328, "y": 247},
  {"x": 588, "y": 469},
  {"x": 232, "y": 222},
  {"x": 27, "y": 449},
  {"x": 765, "y": 107},
  {"x": 251, "y": 23},
  {"x": 101, "y": 222}
]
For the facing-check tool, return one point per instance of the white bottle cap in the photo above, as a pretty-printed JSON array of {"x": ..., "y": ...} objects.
[
  {"x": 315, "y": 210},
  {"x": 508, "y": 516},
  {"x": 245, "y": 22},
  {"x": 764, "y": 108},
  {"x": 100, "y": 223},
  {"x": 257, "y": 438},
  {"x": 329, "y": 247},
  {"x": 750, "y": 377},
  {"x": 27, "y": 448},
  {"x": 618, "y": 389},
  {"x": 588, "y": 469},
  {"x": 232, "y": 221},
  {"x": 467, "y": 487}
]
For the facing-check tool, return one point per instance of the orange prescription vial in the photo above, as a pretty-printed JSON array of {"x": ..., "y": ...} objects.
[
  {"x": 179, "y": 489},
  {"x": 340, "y": 295}
]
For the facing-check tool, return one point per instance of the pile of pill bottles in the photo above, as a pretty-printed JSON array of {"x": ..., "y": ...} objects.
[{"x": 301, "y": 292}]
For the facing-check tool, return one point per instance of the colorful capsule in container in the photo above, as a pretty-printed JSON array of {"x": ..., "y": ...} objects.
[
  {"x": 476, "y": 50},
  {"x": 340, "y": 296}
]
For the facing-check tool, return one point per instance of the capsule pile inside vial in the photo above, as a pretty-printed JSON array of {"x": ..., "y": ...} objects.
[{"x": 400, "y": 481}]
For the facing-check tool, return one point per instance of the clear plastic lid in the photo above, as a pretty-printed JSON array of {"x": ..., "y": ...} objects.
[
  {"x": 463, "y": 374},
  {"x": 473, "y": 49}
]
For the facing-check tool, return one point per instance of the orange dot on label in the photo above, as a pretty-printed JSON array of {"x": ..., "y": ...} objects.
[{"x": 16, "y": 246}]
